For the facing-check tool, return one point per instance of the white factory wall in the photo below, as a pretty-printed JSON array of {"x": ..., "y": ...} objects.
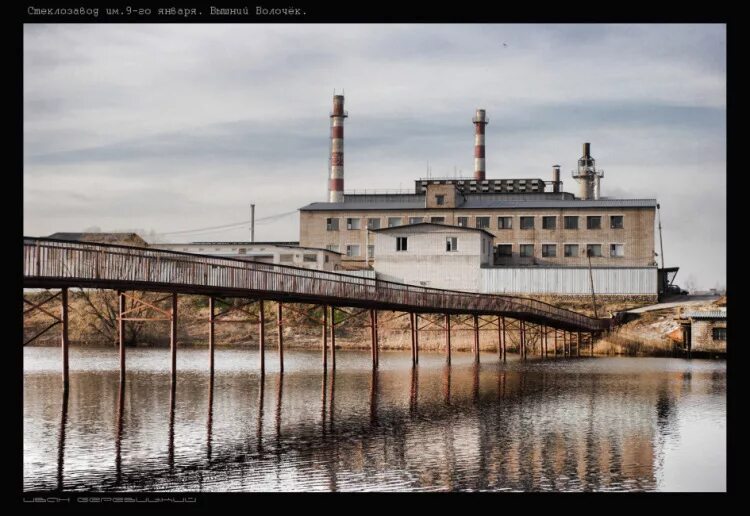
[
  {"x": 426, "y": 262},
  {"x": 569, "y": 280}
]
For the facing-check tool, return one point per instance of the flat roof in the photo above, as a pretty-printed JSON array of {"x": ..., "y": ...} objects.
[
  {"x": 462, "y": 228},
  {"x": 712, "y": 314}
]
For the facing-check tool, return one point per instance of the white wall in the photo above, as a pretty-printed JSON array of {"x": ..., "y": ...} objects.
[{"x": 426, "y": 262}]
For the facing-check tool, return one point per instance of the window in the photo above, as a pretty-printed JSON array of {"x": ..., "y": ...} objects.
[
  {"x": 526, "y": 250},
  {"x": 416, "y": 220},
  {"x": 463, "y": 221},
  {"x": 352, "y": 250},
  {"x": 288, "y": 258},
  {"x": 616, "y": 250},
  {"x": 719, "y": 333},
  {"x": 570, "y": 222},
  {"x": 549, "y": 250},
  {"x": 616, "y": 221},
  {"x": 333, "y": 247},
  {"x": 593, "y": 249},
  {"x": 571, "y": 250},
  {"x": 593, "y": 222},
  {"x": 394, "y": 221},
  {"x": 527, "y": 222},
  {"x": 373, "y": 223},
  {"x": 309, "y": 258},
  {"x": 242, "y": 250},
  {"x": 440, "y": 200},
  {"x": 332, "y": 224},
  {"x": 451, "y": 244},
  {"x": 549, "y": 222},
  {"x": 352, "y": 223},
  {"x": 504, "y": 222},
  {"x": 437, "y": 220},
  {"x": 483, "y": 222},
  {"x": 370, "y": 251},
  {"x": 505, "y": 250},
  {"x": 400, "y": 243}
]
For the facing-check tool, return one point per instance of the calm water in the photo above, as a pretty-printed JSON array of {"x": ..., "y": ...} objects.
[{"x": 603, "y": 424}]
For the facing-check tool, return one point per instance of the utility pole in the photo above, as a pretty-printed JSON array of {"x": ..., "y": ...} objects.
[
  {"x": 591, "y": 277},
  {"x": 661, "y": 244},
  {"x": 252, "y": 223}
]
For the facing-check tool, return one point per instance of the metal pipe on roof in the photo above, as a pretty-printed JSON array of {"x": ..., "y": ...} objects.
[
  {"x": 480, "y": 120},
  {"x": 556, "y": 178}
]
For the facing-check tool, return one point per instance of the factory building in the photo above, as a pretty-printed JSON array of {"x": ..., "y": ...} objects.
[
  {"x": 281, "y": 253},
  {"x": 534, "y": 224}
]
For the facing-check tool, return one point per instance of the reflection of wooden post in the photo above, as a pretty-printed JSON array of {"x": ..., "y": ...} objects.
[
  {"x": 416, "y": 338},
  {"x": 65, "y": 343},
  {"x": 448, "y": 339},
  {"x": 280, "y": 331},
  {"x": 333, "y": 340},
  {"x": 173, "y": 337},
  {"x": 262, "y": 336},
  {"x": 476, "y": 338},
  {"x": 121, "y": 333},
  {"x": 325, "y": 338},
  {"x": 211, "y": 316}
]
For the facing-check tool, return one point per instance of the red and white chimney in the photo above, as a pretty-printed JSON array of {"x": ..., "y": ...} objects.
[
  {"x": 336, "y": 179},
  {"x": 480, "y": 120}
]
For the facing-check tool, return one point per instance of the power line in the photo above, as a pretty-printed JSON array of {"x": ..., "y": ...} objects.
[{"x": 226, "y": 227}]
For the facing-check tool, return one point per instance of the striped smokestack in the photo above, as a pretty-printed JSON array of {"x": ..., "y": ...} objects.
[
  {"x": 336, "y": 179},
  {"x": 480, "y": 120}
]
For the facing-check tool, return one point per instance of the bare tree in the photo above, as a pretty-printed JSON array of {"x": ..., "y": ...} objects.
[{"x": 100, "y": 313}]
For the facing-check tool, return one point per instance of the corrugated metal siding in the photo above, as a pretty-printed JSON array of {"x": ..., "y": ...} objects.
[
  {"x": 359, "y": 274},
  {"x": 569, "y": 281}
]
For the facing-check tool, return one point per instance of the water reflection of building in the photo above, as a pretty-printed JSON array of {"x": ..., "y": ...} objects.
[{"x": 502, "y": 429}]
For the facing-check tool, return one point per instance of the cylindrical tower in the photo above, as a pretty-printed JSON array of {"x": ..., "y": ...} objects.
[
  {"x": 556, "y": 178},
  {"x": 480, "y": 120},
  {"x": 585, "y": 174},
  {"x": 336, "y": 179}
]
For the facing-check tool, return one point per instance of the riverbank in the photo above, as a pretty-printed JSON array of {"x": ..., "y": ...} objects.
[{"x": 93, "y": 323}]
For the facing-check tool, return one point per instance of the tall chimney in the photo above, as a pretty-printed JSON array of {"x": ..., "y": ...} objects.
[
  {"x": 336, "y": 179},
  {"x": 480, "y": 120},
  {"x": 556, "y": 178},
  {"x": 586, "y": 174}
]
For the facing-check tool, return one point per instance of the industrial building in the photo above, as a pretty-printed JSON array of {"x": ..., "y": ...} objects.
[
  {"x": 543, "y": 238},
  {"x": 282, "y": 253}
]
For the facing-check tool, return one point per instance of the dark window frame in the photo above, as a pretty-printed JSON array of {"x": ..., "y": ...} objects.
[
  {"x": 570, "y": 218},
  {"x": 546, "y": 218},
  {"x": 521, "y": 221}
]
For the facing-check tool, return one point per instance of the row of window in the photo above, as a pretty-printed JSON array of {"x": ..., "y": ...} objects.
[
  {"x": 525, "y": 222},
  {"x": 569, "y": 250},
  {"x": 353, "y": 250}
]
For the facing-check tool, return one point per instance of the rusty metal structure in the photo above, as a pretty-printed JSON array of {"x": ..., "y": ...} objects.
[
  {"x": 480, "y": 121},
  {"x": 57, "y": 264},
  {"x": 336, "y": 179}
]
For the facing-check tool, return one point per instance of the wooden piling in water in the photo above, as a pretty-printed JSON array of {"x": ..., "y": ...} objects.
[
  {"x": 64, "y": 340},
  {"x": 333, "y": 340},
  {"x": 476, "y": 338},
  {"x": 505, "y": 346},
  {"x": 262, "y": 336},
  {"x": 173, "y": 337},
  {"x": 280, "y": 332},
  {"x": 522, "y": 340},
  {"x": 121, "y": 333},
  {"x": 373, "y": 345},
  {"x": 578, "y": 345},
  {"x": 448, "y": 339},
  {"x": 591, "y": 336},
  {"x": 413, "y": 340},
  {"x": 325, "y": 338},
  {"x": 211, "y": 334},
  {"x": 377, "y": 338},
  {"x": 416, "y": 338},
  {"x": 555, "y": 343}
]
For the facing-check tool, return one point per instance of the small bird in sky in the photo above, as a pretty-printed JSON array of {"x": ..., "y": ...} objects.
[{"x": 505, "y": 44}]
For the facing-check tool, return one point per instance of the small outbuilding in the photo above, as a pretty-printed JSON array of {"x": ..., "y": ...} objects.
[
  {"x": 432, "y": 255},
  {"x": 704, "y": 331}
]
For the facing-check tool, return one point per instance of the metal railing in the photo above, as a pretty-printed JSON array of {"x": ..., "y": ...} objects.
[{"x": 55, "y": 262}]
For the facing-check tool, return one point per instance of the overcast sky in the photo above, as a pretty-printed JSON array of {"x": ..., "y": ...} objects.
[{"x": 175, "y": 127}]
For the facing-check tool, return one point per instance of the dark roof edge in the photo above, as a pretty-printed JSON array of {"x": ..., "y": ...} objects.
[{"x": 465, "y": 228}]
